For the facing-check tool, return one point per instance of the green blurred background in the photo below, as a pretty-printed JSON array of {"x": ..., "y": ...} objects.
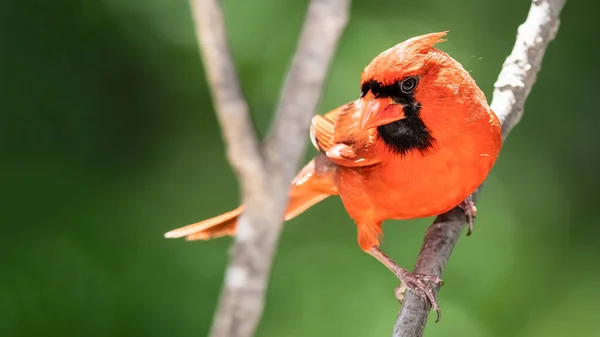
[{"x": 109, "y": 139}]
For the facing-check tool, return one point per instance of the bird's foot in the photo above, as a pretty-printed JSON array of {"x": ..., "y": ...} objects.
[
  {"x": 414, "y": 282},
  {"x": 417, "y": 284},
  {"x": 468, "y": 206}
]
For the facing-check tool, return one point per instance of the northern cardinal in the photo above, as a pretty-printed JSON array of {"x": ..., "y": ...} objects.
[{"x": 420, "y": 139}]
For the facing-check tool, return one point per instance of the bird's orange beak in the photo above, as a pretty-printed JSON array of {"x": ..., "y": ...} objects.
[{"x": 380, "y": 111}]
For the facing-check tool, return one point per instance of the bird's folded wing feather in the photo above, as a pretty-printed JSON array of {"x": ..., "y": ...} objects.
[{"x": 336, "y": 134}]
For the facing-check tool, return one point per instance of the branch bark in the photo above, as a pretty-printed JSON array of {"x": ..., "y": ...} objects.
[
  {"x": 232, "y": 109},
  {"x": 518, "y": 74},
  {"x": 263, "y": 169}
]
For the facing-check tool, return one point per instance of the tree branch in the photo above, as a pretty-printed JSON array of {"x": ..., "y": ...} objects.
[
  {"x": 264, "y": 170},
  {"x": 231, "y": 107},
  {"x": 514, "y": 84},
  {"x": 301, "y": 92}
]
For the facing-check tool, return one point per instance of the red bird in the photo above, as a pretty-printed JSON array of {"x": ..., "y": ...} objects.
[{"x": 419, "y": 140}]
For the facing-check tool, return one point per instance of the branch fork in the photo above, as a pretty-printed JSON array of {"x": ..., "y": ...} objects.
[{"x": 264, "y": 169}]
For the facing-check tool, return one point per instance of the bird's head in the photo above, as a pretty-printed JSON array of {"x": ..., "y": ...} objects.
[{"x": 415, "y": 94}]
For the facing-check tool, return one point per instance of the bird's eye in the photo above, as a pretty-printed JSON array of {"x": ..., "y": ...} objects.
[{"x": 408, "y": 85}]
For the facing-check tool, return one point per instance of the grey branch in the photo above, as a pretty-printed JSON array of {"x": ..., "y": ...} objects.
[
  {"x": 232, "y": 109},
  {"x": 264, "y": 170},
  {"x": 514, "y": 84},
  {"x": 301, "y": 92}
]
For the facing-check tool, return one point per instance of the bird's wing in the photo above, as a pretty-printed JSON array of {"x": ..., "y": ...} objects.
[
  {"x": 315, "y": 182},
  {"x": 322, "y": 128},
  {"x": 336, "y": 134}
]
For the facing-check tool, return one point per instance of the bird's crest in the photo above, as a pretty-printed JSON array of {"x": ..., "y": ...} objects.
[
  {"x": 422, "y": 43},
  {"x": 407, "y": 56}
]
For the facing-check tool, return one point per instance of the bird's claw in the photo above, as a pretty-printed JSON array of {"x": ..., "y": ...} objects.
[
  {"x": 468, "y": 206},
  {"x": 417, "y": 284}
]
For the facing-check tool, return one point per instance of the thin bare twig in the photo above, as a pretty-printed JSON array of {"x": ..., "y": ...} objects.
[
  {"x": 264, "y": 170},
  {"x": 302, "y": 89},
  {"x": 514, "y": 84},
  {"x": 230, "y": 104}
]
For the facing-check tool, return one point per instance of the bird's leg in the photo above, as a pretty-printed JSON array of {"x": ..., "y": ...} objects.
[
  {"x": 414, "y": 282},
  {"x": 468, "y": 206}
]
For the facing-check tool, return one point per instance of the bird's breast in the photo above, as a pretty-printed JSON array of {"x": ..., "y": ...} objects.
[{"x": 417, "y": 184}]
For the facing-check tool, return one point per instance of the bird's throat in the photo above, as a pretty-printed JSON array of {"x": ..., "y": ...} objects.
[{"x": 409, "y": 134}]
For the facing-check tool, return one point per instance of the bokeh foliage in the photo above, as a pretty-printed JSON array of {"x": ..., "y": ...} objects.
[{"x": 109, "y": 139}]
